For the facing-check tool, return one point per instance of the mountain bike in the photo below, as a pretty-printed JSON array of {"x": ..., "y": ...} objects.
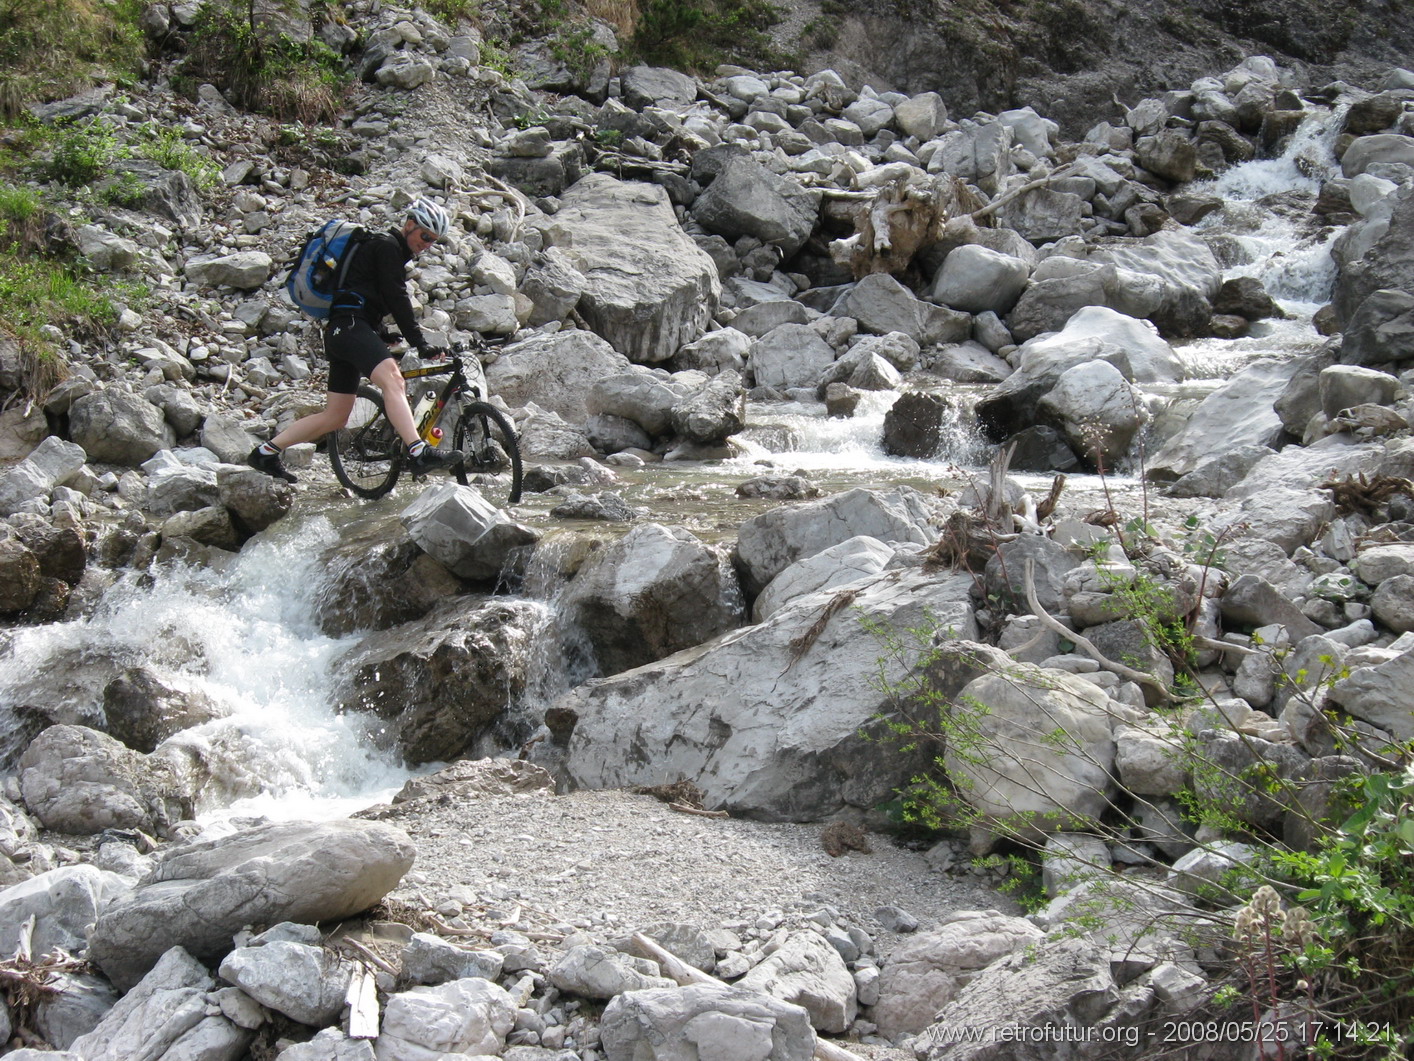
[{"x": 368, "y": 456}]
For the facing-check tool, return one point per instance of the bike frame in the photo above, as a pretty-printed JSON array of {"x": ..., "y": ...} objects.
[{"x": 458, "y": 384}]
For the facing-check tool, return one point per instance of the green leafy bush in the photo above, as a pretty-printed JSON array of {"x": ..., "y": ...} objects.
[
  {"x": 169, "y": 149},
  {"x": 38, "y": 288},
  {"x": 52, "y": 48},
  {"x": 453, "y": 11},
  {"x": 259, "y": 70},
  {"x": 1358, "y": 888},
  {"x": 81, "y": 152}
]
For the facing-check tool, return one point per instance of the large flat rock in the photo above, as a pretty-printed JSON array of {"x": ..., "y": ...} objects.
[{"x": 202, "y": 893}]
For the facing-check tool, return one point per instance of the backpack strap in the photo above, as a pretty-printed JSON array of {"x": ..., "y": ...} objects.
[{"x": 357, "y": 240}]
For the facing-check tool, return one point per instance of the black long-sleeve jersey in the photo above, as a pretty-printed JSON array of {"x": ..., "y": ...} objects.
[{"x": 375, "y": 285}]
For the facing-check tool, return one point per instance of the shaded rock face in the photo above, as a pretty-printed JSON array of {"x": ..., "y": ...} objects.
[
  {"x": 1068, "y": 60},
  {"x": 656, "y": 591},
  {"x": 143, "y": 710},
  {"x": 913, "y": 426},
  {"x": 377, "y": 577},
  {"x": 440, "y": 681}
]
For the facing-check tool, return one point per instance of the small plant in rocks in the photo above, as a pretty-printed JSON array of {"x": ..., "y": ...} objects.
[
  {"x": 699, "y": 34},
  {"x": 81, "y": 152},
  {"x": 169, "y": 149},
  {"x": 39, "y": 289}
]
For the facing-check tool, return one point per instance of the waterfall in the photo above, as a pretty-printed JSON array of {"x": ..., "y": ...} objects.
[
  {"x": 245, "y": 637},
  {"x": 1293, "y": 263}
]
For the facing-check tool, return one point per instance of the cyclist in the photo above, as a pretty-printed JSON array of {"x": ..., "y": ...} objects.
[{"x": 375, "y": 287}]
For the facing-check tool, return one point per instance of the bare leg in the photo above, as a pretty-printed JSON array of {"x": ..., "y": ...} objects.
[
  {"x": 389, "y": 380},
  {"x": 333, "y": 416}
]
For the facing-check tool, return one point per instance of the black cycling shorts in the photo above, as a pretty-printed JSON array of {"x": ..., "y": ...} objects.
[{"x": 354, "y": 351}]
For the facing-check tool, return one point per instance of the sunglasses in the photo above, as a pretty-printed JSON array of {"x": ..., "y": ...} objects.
[{"x": 425, "y": 236}]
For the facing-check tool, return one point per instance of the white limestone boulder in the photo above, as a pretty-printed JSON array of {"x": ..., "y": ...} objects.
[
  {"x": 852, "y": 559},
  {"x": 768, "y": 543},
  {"x": 702, "y": 1021},
  {"x": 923, "y": 974},
  {"x": 807, "y": 971},
  {"x": 976, "y": 279},
  {"x": 468, "y": 1017},
  {"x": 648, "y": 288},
  {"x": 201, "y": 893},
  {"x": 1239, "y": 413},
  {"x": 555, "y": 371},
  {"x": 64, "y": 902},
  {"x": 457, "y": 526},
  {"x": 766, "y": 720},
  {"x": 1011, "y": 770},
  {"x": 165, "y": 1014}
]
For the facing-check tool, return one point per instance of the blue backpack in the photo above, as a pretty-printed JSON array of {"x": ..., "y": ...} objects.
[{"x": 323, "y": 263}]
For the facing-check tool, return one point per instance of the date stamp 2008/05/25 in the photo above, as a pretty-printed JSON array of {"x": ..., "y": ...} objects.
[{"x": 1168, "y": 1033}]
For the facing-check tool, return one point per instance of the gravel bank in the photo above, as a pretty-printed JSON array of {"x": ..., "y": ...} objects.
[{"x": 611, "y": 862}]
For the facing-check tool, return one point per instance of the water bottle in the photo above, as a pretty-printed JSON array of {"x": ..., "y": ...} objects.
[{"x": 423, "y": 407}]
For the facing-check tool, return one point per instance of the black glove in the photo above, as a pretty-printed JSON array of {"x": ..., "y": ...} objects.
[{"x": 432, "y": 353}]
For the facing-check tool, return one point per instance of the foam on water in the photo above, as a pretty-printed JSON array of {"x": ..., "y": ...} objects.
[{"x": 247, "y": 639}]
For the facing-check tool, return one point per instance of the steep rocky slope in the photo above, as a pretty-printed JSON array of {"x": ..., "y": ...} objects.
[{"x": 1069, "y": 57}]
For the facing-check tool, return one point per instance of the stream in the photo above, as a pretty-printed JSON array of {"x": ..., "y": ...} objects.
[{"x": 245, "y": 637}]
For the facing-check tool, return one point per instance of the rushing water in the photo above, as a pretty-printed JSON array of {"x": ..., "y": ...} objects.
[
  {"x": 245, "y": 636},
  {"x": 1265, "y": 225}
]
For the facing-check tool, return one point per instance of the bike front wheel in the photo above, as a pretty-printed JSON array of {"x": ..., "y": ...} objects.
[
  {"x": 491, "y": 453},
  {"x": 366, "y": 452}
]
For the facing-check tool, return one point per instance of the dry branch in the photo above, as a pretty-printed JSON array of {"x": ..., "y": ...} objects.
[{"x": 1082, "y": 642}]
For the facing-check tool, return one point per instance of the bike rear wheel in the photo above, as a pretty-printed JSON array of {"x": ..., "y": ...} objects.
[
  {"x": 491, "y": 453},
  {"x": 366, "y": 452}
]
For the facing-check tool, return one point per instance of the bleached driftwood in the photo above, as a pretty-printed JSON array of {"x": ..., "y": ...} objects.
[{"x": 686, "y": 975}]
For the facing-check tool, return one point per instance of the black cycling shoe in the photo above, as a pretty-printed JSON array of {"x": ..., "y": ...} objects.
[
  {"x": 434, "y": 460},
  {"x": 269, "y": 463}
]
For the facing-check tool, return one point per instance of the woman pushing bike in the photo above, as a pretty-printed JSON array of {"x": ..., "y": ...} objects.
[{"x": 374, "y": 287}]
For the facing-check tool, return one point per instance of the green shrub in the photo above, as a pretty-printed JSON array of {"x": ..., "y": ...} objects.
[
  {"x": 578, "y": 50},
  {"x": 169, "y": 149},
  {"x": 18, "y": 206},
  {"x": 1358, "y": 889},
  {"x": 260, "y": 71},
  {"x": 453, "y": 11},
  {"x": 81, "y": 152},
  {"x": 37, "y": 288},
  {"x": 494, "y": 56},
  {"x": 699, "y": 34},
  {"x": 126, "y": 189}
]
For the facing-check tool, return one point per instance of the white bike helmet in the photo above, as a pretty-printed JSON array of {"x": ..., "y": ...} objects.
[{"x": 426, "y": 214}]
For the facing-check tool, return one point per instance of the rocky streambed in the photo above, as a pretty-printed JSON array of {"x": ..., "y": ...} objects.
[{"x": 1074, "y": 682}]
